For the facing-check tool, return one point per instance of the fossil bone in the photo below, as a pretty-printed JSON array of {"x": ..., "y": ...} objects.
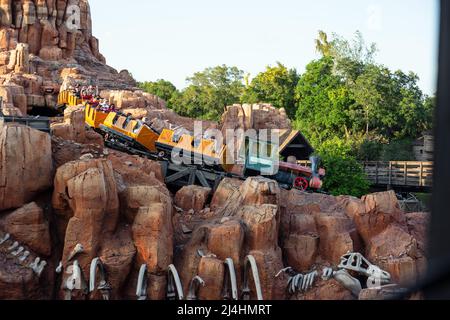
[
  {"x": 299, "y": 282},
  {"x": 60, "y": 267},
  {"x": 357, "y": 263},
  {"x": 230, "y": 282},
  {"x": 174, "y": 287},
  {"x": 5, "y": 238},
  {"x": 18, "y": 251},
  {"x": 38, "y": 269},
  {"x": 14, "y": 246},
  {"x": 24, "y": 256},
  {"x": 345, "y": 279},
  {"x": 103, "y": 287},
  {"x": 75, "y": 281},
  {"x": 77, "y": 250},
  {"x": 35, "y": 263},
  {"x": 250, "y": 265},
  {"x": 141, "y": 288},
  {"x": 203, "y": 255},
  {"x": 194, "y": 286}
]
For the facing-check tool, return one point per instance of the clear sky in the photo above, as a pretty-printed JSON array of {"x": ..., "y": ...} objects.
[{"x": 172, "y": 39}]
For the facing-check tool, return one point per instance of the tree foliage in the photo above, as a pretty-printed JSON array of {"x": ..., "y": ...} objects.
[
  {"x": 209, "y": 92},
  {"x": 345, "y": 175},
  {"x": 161, "y": 88},
  {"x": 276, "y": 85}
]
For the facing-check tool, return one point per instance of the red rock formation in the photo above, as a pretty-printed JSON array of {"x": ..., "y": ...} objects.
[
  {"x": 192, "y": 198},
  {"x": 26, "y": 167},
  {"x": 46, "y": 43},
  {"x": 29, "y": 226},
  {"x": 74, "y": 128}
]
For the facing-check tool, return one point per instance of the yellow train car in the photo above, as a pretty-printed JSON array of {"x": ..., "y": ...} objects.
[
  {"x": 94, "y": 118},
  {"x": 206, "y": 149},
  {"x": 135, "y": 132},
  {"x": 68, "y": 98}
]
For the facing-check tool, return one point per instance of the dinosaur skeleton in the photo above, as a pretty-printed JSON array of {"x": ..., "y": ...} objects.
[
  {"x": 174, "y": 287},
  {"x": 194, "y": 287},
  {"x": 77, "y": 250},
  {"x": 230, "y": 290},
  {"x": 250, "y": 264},
  {"x": 5, "y": 238},
  {"x": 104, "y": 287},
  {"x": 18, "y": 251},
  {"x": 344, "y": 278},
  {"x": 350, "y": 262},
  {"x": 298, "y": 282},
  {"x": 75, "y": 281},
  {"x": 357, "y": 263},
  {"x": 24, "y": 256},
  {"x": 141, "y": 288},
  {"x": 14, "y": 246}
]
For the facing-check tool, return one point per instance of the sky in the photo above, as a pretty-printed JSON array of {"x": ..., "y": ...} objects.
[{"x": 173, "y": 39}]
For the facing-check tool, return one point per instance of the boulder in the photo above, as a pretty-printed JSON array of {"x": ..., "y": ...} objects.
[
  {"x": 326, "y": 290},
  {"x": 73, "y": 128},
  {"x": 212, "y": 271},
  {"x": 117, "y": 254},
  {"x": 261, "y": 226},
  {"x": 335, "y": 238},
  {"x": 192, "y": 198},
  {"x": 152, "y": 235},
  {"x": 26, "y": 165},
  {"x": 85, "y": 199},
  {"x": 381, "y": 210},
  {"x": 29, "y": 226}
]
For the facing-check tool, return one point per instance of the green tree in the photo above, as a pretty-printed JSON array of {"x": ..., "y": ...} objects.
[
  {"x": 276, "y": 85},
  {"x": 209, "y": 92},
  {"x": 323, "y": 103},
  {"x": 344, "y": 174},
  {"x": 161, "y": 88}
]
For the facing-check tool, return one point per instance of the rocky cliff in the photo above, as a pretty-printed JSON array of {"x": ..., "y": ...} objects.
[
  {"x": 70, "y": 203},
  {"x": 46, "y": 44}
]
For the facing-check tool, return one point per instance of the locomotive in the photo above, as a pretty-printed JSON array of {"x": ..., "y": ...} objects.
[{"x": 124, "y": 133}]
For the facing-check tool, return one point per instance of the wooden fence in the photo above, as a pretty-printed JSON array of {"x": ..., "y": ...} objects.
[
  {"x": 397, "y": 173},
  {"x": 400, "y": 173}
]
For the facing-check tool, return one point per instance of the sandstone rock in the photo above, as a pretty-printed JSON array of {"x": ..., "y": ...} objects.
[
  {"x": 326, "y": 290},
  {"x": 73, "y": 128},
  {"x": 418, "y": 227},
  {"x": 262, "y": 226},
  {"x": 335, "y": 238},
  {"x": 153, "y": 234},
  {"x": 24, "y": 172},
  {"x": 382, "y": 209},
  {"x": 301, "y": 251},
  {"x": 269, "y": 264},
  {"x": 117, "y": 254},
  {"x": 141, "y": 172},
  {"x": 233, "y": 232},
  {"x": 17, "y": 282},
  {"x": 192, "y": 197},
  {"x": 85, "y": 198},
  {"x": 227, "y": 192},
  {"x": 396, "y": 251},
  {"x": 212, "y": 271},
  {"x": 29, "y": 226}
]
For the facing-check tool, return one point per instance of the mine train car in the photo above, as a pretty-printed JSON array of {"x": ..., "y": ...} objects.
[
  {"x": 68, "y": 98},
  {"x": 125, "y": 133}
]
